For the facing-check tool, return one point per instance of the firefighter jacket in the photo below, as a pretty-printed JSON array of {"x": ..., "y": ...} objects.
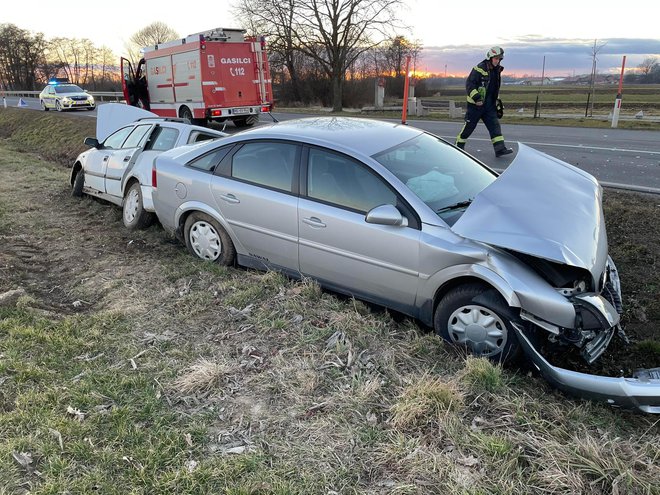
[{"x": 477, "y": 83}]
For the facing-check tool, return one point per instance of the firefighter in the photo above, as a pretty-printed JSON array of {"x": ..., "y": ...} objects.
[{"x": 483, "y": 87}]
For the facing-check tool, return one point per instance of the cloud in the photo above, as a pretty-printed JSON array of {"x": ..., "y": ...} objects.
[{"x": 524, "y": 55}]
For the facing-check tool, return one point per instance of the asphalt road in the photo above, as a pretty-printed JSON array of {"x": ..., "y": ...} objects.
[{"x": 616, "y": 157}]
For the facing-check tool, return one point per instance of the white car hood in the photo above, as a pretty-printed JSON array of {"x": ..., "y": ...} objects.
[
  {"x": 542, "y": 207},
  {"x": 112, "y": 116}
]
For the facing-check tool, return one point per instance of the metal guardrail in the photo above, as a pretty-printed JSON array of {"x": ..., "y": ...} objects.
[{"x": 98, "y": 95}]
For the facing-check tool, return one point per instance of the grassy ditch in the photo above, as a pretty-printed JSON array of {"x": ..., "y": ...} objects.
[{"x": 126, "y": 366}]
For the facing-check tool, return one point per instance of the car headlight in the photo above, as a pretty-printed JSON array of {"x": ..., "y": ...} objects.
[{"x": 66, "y": 99}]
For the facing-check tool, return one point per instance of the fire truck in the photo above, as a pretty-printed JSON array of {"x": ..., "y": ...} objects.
[{"x": 214, "y": 75}]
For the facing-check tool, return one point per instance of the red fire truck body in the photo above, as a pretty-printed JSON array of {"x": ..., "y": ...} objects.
[{"x": 214, "y": 75}]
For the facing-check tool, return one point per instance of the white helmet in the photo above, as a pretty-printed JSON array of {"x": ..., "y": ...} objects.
[{"x": 496, "y": 51}]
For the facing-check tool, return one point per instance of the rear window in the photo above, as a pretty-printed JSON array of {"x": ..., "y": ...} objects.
[{"x": 164, "y": 138}]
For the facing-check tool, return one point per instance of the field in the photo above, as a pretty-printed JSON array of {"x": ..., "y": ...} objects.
[
  {"x": 127, "y": 366},
  {"x": 566, "y": 105}
]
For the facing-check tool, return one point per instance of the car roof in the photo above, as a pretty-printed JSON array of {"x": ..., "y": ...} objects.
[{"x": 365, "y": 136}]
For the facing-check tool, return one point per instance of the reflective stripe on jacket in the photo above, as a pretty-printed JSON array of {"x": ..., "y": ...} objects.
[{"x": 477, "y": 82}]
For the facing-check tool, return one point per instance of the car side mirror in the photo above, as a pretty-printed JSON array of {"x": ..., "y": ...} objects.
[
  {"x": 92, "y": 142},
  {"x": 386, "y": 215}
]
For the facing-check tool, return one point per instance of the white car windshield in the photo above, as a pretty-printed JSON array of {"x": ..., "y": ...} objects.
[
  {"x": 70, "y": 88},
  {"x": 444, "y": 178}
]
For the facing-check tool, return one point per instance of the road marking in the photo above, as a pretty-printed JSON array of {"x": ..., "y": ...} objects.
[{"x": 557, "y": 145}]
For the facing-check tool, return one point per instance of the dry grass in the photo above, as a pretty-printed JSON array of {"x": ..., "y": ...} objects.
[{"x": 200, "y": 379}]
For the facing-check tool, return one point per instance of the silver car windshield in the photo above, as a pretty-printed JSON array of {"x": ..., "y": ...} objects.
[{"x": 444, "y": 178}]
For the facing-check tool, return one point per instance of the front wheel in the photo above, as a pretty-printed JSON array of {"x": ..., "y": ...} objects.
[
  {"x": 58, "y": 106},
  {"x": 207, "y": 240},
  {"x": 134, "y": 215},
  {"x": 78, "y": 184},
  {"x": 477, "y": 317}
]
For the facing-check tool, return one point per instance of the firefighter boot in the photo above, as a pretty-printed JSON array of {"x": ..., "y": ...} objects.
[
  {"x": 460, "y": 145},
  {"x": 501, "y": 149}
]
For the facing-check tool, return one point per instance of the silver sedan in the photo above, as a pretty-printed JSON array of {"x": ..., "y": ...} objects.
[{"x": 396, "y": 216}]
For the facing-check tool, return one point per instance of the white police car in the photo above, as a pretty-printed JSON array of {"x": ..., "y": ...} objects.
[{"x": 62, "y": 95}]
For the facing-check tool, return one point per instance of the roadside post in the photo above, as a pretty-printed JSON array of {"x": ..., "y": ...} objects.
[
  {"x": 405, "y": 91},
  {"x": 617, "y": 101}
]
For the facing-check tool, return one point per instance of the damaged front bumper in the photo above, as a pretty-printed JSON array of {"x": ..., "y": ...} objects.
[{"x": 641, "y": 392}]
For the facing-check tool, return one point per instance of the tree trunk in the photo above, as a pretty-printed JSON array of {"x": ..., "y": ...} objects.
[{"x": 337, "y": 88}]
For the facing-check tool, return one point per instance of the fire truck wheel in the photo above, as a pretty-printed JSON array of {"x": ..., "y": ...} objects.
[{"x": 185, "y": 113}]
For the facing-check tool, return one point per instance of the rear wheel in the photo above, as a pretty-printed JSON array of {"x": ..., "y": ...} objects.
[
  {"x": 477, "y": 317},
  {"x": 207, "y": 240},
  {"x": 134, "y": 215},
  {"x": 185, "y": 113}
]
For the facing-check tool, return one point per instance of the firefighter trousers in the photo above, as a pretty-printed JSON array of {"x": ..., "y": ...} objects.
[{"x": 487, "y": 113}]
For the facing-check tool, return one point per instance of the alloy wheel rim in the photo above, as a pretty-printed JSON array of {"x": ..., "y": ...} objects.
[
  {"x": 205, "y": 241},
  {"x": 478, "y": 328}
]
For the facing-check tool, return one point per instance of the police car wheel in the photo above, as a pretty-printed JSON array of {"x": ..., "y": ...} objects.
[
  {"x": 43, "y": 106},
  {"x": 58, "y": 106}
]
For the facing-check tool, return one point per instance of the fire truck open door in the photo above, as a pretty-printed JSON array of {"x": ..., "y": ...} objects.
[{"x": 134, "y": 85}]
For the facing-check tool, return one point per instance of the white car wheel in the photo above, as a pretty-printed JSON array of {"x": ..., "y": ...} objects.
[{"x": 134, "y": 215}]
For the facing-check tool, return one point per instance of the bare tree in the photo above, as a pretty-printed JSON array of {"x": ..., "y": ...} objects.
[
  {"x": 153, "y": 34},
  {"x": 275, "y": 20},
  {"x": 21, "y": 57},
  {"x": 396, "y": 51},
  {"x": 594, "y": 58},
  {"x": 342, "y": 29},
  {"x": 334, "y": 33},
  {"x": 648, "y": 65}
]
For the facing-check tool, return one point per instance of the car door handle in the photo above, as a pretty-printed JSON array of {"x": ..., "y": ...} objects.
[
  {"x": 127, "y": 158},
  {"x": 105, "y": 158},
  {"x": 314, "y": 222},
  {"x": 230, "y": 198}
]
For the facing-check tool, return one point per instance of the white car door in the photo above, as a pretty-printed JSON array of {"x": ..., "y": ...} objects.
[
  {"x": 96, "y": 164},
  {"x": 339, "y": 248},
  {"x": 120, "y": 160}
]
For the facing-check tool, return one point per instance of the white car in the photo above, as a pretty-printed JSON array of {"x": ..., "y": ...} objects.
[
  {"x": 65, "y": 96},
  {"x": 118, "y": 166}
]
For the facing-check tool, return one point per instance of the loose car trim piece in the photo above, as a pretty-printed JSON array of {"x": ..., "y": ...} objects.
[{"x": 641, "y": 392}]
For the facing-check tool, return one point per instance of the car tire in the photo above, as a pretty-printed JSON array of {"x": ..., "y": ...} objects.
[
  {"x": 207, "y": 240},
  {"x": 477, "y": 317},
  {"x": 185, "y": 113},
  {"x": 43, "y": 106},
  {"x": 91, "y": 109},
  {"x": 58, "y": 105},
  {"x": 134, "y": 215},
  {"x": 78, "y": 184}
]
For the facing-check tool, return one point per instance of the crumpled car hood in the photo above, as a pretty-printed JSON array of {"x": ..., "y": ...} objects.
[
  {"x": 542, "y": 207},
  {"x": 112, "y": 116}
]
